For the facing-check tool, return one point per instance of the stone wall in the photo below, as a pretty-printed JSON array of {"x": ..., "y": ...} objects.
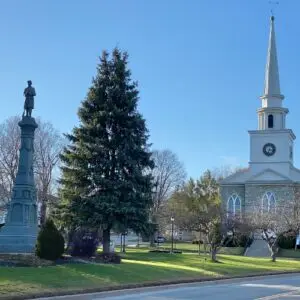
[{"x": 284, "y": 195}]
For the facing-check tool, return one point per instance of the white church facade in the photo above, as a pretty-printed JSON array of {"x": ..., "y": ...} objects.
[{"x": 271, "y": 179}]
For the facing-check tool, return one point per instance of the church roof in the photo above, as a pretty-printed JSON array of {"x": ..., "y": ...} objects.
[
  {"x": 272, "y": 85},
  {"x": 267, "y": 175}
]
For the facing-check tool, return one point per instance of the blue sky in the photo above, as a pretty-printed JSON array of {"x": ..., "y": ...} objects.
[{"x": 200, "y": 66}]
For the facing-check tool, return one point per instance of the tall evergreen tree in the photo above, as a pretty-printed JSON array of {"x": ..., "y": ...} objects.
[{"x": 106, "y": 173}]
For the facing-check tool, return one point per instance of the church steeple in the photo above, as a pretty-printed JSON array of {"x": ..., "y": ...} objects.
[
  {"x": 272, "y": 85},
  {"x": 272, "y": 96},
  {"x": 272, "y": 115}
]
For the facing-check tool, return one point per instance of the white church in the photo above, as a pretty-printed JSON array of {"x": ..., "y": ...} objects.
[{"x": 271, "y": 178}]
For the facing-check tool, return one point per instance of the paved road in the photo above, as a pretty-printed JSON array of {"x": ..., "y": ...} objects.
[{"x": 266, "y": 288}]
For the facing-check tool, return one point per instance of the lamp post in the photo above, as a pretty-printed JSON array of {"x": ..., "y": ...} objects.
[{"x": 172, "y": 238}]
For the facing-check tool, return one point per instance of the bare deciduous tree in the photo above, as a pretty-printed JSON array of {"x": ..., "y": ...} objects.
[
  {"x": 169, "y": 173},
  {"x": 48, "y": 145},
  {"x": 9, "y": 156},
  {"x": 271, "y": 223},
  {"x": 225, "y": 171}
]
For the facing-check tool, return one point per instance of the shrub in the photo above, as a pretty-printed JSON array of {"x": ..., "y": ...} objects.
[
  {"x": 197, "y": 242},
  {"x": 84, "y": 242},
  {"x": 249, "y": 241},
  {"x": 287, "y": 240},
  {"x": 50, "y": 242},
  {"x": 108, "y": 258},
  {"x": 165, "y": 251},
  {"x": 242, "y": 240}
]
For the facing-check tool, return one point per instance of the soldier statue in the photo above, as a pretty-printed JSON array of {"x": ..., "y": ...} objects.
[{"x": 29, "y": 94}]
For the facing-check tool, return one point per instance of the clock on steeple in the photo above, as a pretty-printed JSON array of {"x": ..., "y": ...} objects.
[{"x": 269, "y": 149}]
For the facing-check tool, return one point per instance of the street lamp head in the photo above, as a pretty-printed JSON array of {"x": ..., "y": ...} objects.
[{"x": 172, "y": 219}]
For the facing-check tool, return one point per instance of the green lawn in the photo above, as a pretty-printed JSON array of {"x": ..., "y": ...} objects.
[
  {"x": 289, "y": 253},
  {"x": 189, "y": 247},
  {"x": 138, "y": 266}
]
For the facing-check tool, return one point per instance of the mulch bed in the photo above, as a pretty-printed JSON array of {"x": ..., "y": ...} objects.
[{"x": 30, "y": 260}]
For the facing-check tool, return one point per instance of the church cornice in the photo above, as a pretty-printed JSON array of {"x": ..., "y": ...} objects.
[
  {"x": 268, "y": 131},
  {"x": 278, "y": 96},
  {"x": 278, "y": 182},
  {"x": 262, "y": 182},
  {"x": 273, "y": 162},
  {"x": 272, "y": 109}
]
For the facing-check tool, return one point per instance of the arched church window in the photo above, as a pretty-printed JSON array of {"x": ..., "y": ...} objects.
[
  {"x": 234, "y": 205},
  {"x": 237, "y": 206},
  {"x": 230, "y": 206},
  {"x": 269, "y": 202},
  {"x": 270, "y": 121},
  {"x": 272, "y": 204}
]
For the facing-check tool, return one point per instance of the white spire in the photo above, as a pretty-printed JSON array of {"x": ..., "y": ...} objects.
[{"x": 272, "y": 85}]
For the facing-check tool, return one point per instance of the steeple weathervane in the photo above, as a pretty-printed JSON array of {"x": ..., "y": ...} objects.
[{"x": 273, "y": 3}]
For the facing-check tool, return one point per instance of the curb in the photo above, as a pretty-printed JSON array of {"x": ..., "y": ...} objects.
[{"x": 129, "y": 287}]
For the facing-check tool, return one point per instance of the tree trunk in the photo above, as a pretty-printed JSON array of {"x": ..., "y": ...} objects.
[
  {"x": 199, "y": 248},
  {"x": 273, "y": 254},
  {"x": 106, "y": 240},
  {"x": 43, "y": 212},
  {"x": 69, "y": 239},
  {"x": 152, "y": 238},
  {"x": 124, "y": 244},
  {"x": 214, "y": 254},
  {"x": 121, "y": 245}
]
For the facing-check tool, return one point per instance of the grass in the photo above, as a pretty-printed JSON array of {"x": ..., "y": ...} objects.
[
  {"x": 189, "y": 247},
  {"x": 289, "y": 253},
  {"x": 138, "y": 266}
]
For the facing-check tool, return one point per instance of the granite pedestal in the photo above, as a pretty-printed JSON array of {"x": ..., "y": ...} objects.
[{"x": 19, "y": 233}]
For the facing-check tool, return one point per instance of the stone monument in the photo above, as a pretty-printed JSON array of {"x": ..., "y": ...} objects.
[{"x": 19, "y": 233}]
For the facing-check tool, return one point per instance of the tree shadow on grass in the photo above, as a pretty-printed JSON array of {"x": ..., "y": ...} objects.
[
  {"x": 79, "y": 276},
  {"x": 136, "y": 268}
]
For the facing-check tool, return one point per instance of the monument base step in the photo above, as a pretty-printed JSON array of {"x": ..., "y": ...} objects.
[
  {"x": 18, "y": 239},
  {"x": 21, "y": 244}
]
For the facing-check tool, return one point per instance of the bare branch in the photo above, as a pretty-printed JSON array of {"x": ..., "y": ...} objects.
[{"x": 169, "y": 173}]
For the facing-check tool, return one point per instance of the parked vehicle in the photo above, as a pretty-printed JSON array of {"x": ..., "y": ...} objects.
[{"x": 160, "y": 239}]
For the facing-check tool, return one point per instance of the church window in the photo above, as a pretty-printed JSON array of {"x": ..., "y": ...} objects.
[
  {"x": 234, "y": 205},
  {"x": 270, "y": 121},
  {"x": 268, "y": 202},
  {"x": 237, "y": 206},
  {"x": 230, "y": 206}
]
